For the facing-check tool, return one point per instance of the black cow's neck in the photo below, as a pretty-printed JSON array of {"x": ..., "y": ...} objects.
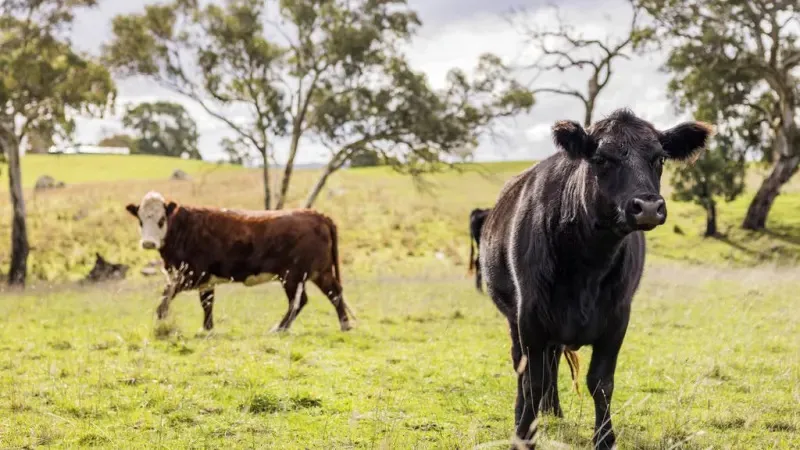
[{"x": 586, "y": 245}]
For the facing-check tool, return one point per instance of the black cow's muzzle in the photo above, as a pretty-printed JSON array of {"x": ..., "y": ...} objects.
[{"x": 645, "y": 212}]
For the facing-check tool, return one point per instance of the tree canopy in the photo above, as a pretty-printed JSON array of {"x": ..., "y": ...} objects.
[
  {"x": 162, "y": 128},
  {"x": 44, "y": 84},
  {"x": 741, "y": 60},
  {"x": 331, "y": 71}
]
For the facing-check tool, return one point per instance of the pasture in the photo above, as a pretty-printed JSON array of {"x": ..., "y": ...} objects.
[{"x": 710, "y": 358}]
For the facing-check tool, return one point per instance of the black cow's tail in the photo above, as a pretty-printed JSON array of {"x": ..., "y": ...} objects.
[
  {"x": 574, "y": 363},
  {"x": 336, "y": 267},
  {"x": 471, "y": 254}
]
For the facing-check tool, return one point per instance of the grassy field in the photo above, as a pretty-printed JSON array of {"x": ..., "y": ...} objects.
[
  {"x": 386, "y": 225},
  {"x": 710, "y": 359},
  {"x": 72, "y": 169}
]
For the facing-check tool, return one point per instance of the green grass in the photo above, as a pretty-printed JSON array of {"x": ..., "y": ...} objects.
[
  {"x": 384, "y": 221},
  {"x": 72, "y": 169},
  {"x": 709, "y": 361}
]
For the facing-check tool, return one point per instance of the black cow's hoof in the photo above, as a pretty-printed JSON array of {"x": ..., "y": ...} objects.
[{"x": 279, "y": 329}]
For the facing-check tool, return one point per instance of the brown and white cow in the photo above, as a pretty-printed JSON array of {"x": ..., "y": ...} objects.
[{"x": 204, "y": 247}]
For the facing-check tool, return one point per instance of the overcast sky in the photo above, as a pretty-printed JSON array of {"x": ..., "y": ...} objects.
[{"x": 454, "y": 34}]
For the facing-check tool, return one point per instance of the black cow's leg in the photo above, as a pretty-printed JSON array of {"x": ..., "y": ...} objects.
[
  {"x": 516, "y": 358},
  {"x": 551, "y": 402},
  {"x": 169, "y": 293},
  {"x": 207, "y": 302},
  {"x": 333, "y": 290},
  {"x": 600, "y": 381},
  {"x": 296, "y": 293},
  {"x": 532, "y": 380}
]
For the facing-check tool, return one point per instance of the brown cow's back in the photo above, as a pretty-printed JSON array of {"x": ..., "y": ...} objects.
[{"x": 235, "y": 244}]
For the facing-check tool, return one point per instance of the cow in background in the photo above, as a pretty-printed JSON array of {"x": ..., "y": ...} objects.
[
  {"x": 563, "y": 252},
  {"x": 476, "y": 219},
  {"x": 204, "y": 247}
]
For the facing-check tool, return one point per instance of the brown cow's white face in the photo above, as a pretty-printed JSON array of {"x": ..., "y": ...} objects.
[{"x": 153, "y": 213}]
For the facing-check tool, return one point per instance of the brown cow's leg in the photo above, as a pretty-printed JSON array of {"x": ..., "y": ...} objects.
[
  {"x": 296, "y": 293},
  {"x": 207, "y": 302},
  {"x": 169, "y": 293},
  {"x": 333, "y": 290}
]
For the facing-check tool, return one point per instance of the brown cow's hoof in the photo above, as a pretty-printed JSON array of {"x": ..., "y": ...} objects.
[{"x": 345, "y": 326}]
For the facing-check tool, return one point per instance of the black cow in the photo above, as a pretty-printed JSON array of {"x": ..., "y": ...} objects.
[
  {"x": 563, "y": 252},
  {"x": 476, "y": 219}
]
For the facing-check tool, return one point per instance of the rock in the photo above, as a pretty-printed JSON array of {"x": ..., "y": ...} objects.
[
  {"x": 149, "y": 271},
  {"x": 179, "y": 175},
  {"x": 45, "y": 182},
  {"x": 104, "y": 270}
]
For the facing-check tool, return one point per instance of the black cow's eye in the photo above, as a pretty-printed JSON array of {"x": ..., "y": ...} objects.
[
  {"x": 601, "y": 160},
  {"x": 161, "y": 223}
]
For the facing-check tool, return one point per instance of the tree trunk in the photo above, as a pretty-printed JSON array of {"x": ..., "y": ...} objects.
[
  {"x": 782, "y": 171},
  {"x": 312, "y": 196},
  {"x": 19, "y": 233},
  {"x": 588, "y": 112},
  {"x": 711, "y": 218},
  {"x": 287, "y": 171},
  {"x": 265, "y": 176}
]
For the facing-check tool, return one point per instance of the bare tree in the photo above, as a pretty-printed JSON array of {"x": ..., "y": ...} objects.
[{"x": 565, "y": 49}]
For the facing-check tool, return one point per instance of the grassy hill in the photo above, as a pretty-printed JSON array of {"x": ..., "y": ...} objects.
[
  {"x": 76, "y": 169},
  {"x": 388, "y": 226},
  {"x": 707, "y": 361}
]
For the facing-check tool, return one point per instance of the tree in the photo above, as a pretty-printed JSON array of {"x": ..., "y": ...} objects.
[
  {"x": 365, "y": 159},
  {"x": 719, "y": 172},
  {"x": 38, "y": 142},
  {"x": 563, "y": 49},
  {"x": 331, "y": 64},
  {"x": 235, "y": 151},
  {"x": 119, "y": 140},
  {"x": 43, "y": 83},
  {"x": 412, "y": 127},
  {"x": 740, "y": 58},
  {"x": 163, "y": 128}
]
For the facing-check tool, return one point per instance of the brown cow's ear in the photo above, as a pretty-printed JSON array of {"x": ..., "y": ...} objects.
[
  {"x": 133, "y": 209},
  {"x": 685, "y": 141},
  {"x": 171, "y": 206},
  {"x": 573, "y": 139}
]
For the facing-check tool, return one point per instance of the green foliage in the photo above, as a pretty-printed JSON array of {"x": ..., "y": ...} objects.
[
  {"x": 330, "y": 69},
  {"x": 236, "y": 151},
  {"x": 163, "y": 128},
  {"x": 119, "y": 140},
  {"x": 43, "y": 81},
  {"x": 365, "y": 159},
  {"x": 734, "y": 60},
  {"x": 719, "y": 172}
]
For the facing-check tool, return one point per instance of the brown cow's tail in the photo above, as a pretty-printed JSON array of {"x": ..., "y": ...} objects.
[
  {"x": 574, "y": 362},
  {"x": 336, "y": 268}
]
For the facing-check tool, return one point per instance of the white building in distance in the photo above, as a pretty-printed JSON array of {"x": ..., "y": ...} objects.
[{"x": 85, "y": 149}]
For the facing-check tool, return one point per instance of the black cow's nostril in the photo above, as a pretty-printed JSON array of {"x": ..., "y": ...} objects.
[
  {"x": 636, "y": 206},
  {"x": 662, "y": 208}
]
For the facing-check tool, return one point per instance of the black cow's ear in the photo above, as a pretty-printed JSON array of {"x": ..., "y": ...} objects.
[
  {"x": 686, "y": 140},
  {"x": 133, "y": 209},
  {"x": 573, "y": 139},
  {"x": 171, "y": 206}
]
